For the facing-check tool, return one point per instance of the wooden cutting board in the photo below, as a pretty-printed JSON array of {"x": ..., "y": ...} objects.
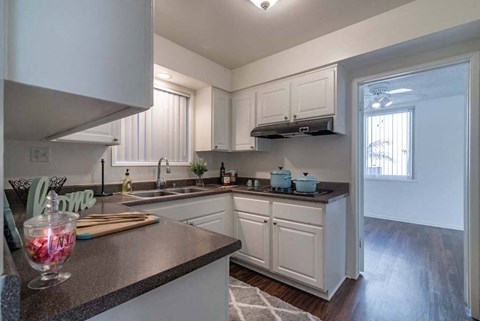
[{"x": 87, "y": 233}]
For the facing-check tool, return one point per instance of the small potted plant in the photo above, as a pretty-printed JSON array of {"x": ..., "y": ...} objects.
[{"x": 199, "y": 167}]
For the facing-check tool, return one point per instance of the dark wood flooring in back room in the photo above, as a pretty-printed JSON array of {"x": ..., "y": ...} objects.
[{"x": 412, "y": 273}]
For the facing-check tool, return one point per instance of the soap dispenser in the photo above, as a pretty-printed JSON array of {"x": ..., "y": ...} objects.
[{"x": 126, "y": 183}]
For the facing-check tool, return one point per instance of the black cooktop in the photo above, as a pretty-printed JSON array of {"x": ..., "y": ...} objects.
[{"x": 291, "y": 191}]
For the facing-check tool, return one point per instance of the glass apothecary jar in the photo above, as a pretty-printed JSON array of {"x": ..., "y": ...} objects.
[{"x": 49, "y": 240}]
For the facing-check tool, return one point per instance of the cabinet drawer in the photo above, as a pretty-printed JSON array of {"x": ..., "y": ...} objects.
[
  {"x": 299, "y": 213},
  {"x": 249, "y": 205},
  {"x": 181, "y": 210}
]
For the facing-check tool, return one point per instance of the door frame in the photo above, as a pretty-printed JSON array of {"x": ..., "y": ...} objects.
[{"x": 472, "y": 167}]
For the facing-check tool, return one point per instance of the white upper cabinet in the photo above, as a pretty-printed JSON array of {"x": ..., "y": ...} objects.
[
  {"x": 74, "y": 65},
  {"x": 313, "y": 95},
  {"x": 273, "y": 103},
  {"x": 221, "y": 120},
  {"x": 243, "y": 122},
  {"x": 212, "y": 120},
  {"x": 107, "y": 134},
  {"x": 316, "y": 94}
]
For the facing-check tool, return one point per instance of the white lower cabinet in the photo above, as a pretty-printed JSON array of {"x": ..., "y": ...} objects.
[
  {"x": 213, "y": 222},
  {"x": 254, "y": 232},
  {"x": 212, "y": 213},
  {"x": 297, "y": 252},
  {"x": 297, "y": 242}
]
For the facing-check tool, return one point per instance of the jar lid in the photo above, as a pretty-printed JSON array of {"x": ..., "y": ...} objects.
[
  {"x": 306, "y": 178},
  {"x": 51, "y": 219},
  {"x": 281, "y": 171},
  {"x": 52, "y": 216}
]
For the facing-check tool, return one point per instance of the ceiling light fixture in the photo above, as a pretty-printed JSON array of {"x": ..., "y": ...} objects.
[
  {"x": 376, "y": 103},
  {"x": 264, "y": 4},
  {"x": 387, "y": 101},
  {"x": 163, "y": 75}
]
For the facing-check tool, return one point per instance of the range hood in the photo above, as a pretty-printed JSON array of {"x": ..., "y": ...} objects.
[{"x": 315, "y": 127}]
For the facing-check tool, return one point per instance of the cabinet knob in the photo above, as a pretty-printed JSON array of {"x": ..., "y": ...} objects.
[
  {"x": 286, "y": 117},
  {"x": 115, "y": 139},
  {"x": 265, "y": 221},
  {"x": 251, "y": 147},
  {"x": 274, "y": 223},
  {"x": 216, "y": 146},
  {"x": 294, "y": 116}
]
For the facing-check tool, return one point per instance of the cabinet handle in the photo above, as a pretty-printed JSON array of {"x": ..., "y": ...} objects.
[
  {"x": 294, "y": 116},
  {"x": 115, "y": 139},
  {"x": 265, "y": 221},
  {"x": 274, "y": 223},
  {"x": 286, "y": 117}
]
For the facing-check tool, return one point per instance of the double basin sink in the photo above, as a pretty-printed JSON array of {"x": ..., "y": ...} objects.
[{"x": 168, "y": 192}]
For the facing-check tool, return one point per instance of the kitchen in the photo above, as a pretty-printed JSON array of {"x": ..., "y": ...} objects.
[{"x": 328, "y": 158}]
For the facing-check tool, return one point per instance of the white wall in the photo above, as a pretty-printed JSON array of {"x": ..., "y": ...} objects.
[
  {"x": 325, "y": 157},
  {"x": 435, "y": 196},
  {"x": 80, "y": 163},
  {"x": 172, "y": 56},
  {"x": 411, "y": 21}
]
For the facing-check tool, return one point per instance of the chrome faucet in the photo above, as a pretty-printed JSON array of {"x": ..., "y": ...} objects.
[{"x": 161, "y": 181}]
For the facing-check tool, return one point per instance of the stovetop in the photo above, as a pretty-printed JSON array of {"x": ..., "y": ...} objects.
[{"x": 291, "y": 191}]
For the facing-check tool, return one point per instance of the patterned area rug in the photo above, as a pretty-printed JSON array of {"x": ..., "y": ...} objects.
[{"x": 248, "y": 303}]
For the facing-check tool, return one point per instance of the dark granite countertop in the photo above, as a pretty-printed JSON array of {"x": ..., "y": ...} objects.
[
  {"x": 102, "y": 268},
  {"x": 112, "y": 269}
]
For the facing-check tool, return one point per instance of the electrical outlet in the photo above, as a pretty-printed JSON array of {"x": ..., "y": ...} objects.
[{"x": 40, "y": 154}]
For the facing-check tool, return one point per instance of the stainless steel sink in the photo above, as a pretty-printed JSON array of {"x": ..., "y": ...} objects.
[
  {"x": 186, "y": 190},
  {"x": 147, "y": 194},
  {"x": 167, "y": 192}
]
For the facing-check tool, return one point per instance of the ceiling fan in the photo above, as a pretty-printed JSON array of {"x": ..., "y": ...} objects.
[{"x": 381, "y": 94}]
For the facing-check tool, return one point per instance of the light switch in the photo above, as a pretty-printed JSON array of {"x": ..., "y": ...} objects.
[{"x": 40, "y": 154}]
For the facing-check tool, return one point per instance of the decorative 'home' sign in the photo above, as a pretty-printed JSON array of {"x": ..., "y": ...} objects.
[{"x": 72, "y": 202}]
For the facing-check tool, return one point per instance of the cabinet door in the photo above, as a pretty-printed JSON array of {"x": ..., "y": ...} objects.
[
  {"x": 298, "y": 252},
  {"x": 243, "y": 122},
  {"x": 313, "y": 95},
  {"x": 108, "y": 134},
  {"x": 273, "y": 103},
  {"x": 213, "y": 222},
  {"x": 221, "y": 120},
  {"x": 254, "y": 232}
]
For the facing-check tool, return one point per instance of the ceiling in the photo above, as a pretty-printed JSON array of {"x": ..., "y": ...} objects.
[
  {"x": 234, "y": 33},
  {"x": 431, "y": 84}
]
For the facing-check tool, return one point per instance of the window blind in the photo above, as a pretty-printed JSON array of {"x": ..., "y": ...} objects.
[
  {"x": 160, "y": 131},
  {"x": 388, "y": 144}
]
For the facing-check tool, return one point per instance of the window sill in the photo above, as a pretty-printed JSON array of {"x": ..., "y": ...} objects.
[
  {"x": 389, "y": 179},
  {"x": 148, "y": 164}
]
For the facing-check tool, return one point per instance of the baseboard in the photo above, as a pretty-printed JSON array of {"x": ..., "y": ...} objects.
[{"x": 419, "y": 222}]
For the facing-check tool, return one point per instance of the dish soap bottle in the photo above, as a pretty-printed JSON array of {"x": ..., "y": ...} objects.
[{"x": 126, "y": 183}]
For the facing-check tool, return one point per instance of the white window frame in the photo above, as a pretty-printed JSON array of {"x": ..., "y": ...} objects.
[
  {"x": 177, "y": 90},
  {"x": 406, "y": 178}
]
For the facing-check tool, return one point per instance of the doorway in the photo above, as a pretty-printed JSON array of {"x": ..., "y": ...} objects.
[
  {"x": 393, "y": 164},
  {"x": 414, "y": 152}
]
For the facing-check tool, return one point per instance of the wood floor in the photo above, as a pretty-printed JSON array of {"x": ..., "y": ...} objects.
[{"x": 412, "y": 273}]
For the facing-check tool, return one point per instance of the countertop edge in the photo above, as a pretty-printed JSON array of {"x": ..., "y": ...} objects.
[
  {"x": 113, "y": 299},
  {"x": 10, "y": 292}
]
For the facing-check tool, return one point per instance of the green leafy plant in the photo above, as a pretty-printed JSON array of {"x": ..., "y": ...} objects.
[{"x": 198, "y": 166}]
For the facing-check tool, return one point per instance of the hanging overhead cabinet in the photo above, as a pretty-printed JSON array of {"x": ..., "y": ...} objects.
[{"x": 74, "y": 65}]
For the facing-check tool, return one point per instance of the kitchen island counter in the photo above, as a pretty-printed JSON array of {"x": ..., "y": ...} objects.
[{"x": 110, "y": 270}]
